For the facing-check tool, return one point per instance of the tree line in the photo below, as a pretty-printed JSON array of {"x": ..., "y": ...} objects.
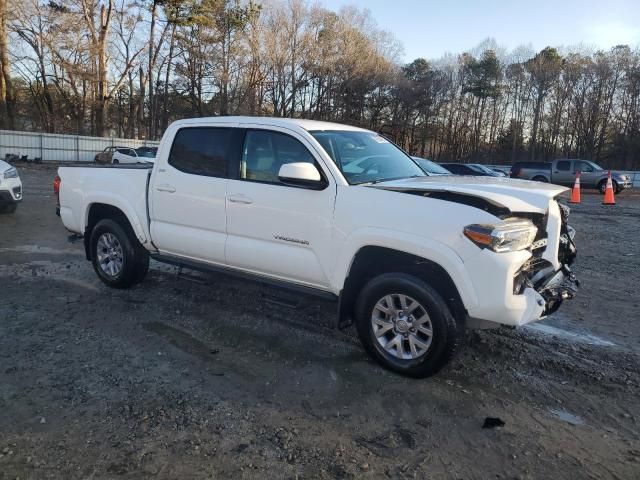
[{"x": 130, "y": 67}]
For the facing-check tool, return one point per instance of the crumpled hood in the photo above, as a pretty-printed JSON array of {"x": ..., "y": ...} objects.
[{"x": 516, "y": 195}]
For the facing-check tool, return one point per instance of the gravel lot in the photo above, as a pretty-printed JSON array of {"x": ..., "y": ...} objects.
[{"x": 207, "y": 377}]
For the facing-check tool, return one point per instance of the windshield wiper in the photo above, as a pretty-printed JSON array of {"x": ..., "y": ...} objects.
[{"x": 380, "y": 180}]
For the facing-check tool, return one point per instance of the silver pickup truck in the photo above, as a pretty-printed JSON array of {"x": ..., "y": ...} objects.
[{"x": 563, "y": 172}]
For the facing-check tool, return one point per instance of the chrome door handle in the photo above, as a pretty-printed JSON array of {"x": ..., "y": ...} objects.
[
  {"x": 240, "y": 199},
  {"x": 166, "y": 188}
]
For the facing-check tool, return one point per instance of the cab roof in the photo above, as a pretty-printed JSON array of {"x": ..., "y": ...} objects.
[{"x": 308, "y": 125}]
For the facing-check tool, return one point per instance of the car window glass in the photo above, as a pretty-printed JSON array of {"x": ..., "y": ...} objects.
[
  {"x": 478, "y": 169},
  {"x": 595, "y": 166},
  {"x": 431, "y": 167},
  {"x": 365, "y": 157},
  {"x": 563, "y": 165},
  {"x": 201, "y": 151},
  {"x": 582, "y": 166},
  {"x": 265, "y": 152},
  {"x": 147, "y": 152}
]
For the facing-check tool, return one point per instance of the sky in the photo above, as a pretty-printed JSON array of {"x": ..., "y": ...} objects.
[{"x": 430, "y": 28}]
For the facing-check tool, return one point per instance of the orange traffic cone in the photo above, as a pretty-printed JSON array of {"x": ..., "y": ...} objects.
[
  {"x": 608, "y": 193},
  {"x": 575, "y": 191}
]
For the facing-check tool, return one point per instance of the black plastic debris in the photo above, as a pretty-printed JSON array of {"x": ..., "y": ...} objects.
[{"x": 492, "y": 422}]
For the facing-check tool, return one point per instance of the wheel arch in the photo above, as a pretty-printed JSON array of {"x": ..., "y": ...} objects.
[
  {"x": 372, "y": 260},
  {"x": 98, "y": 211},
  {"x": 603, "y": 182}
]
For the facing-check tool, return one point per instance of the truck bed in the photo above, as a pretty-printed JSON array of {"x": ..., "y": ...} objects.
[{"x": 123, "y": 186}]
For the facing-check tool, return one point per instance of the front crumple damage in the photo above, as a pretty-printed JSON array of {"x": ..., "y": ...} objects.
[
  {"x": 548, "y": 271},
  {"x": 515, "y": 195},
  {"x": 545, "y": 279},
  {"x": 474, "y": 201}
]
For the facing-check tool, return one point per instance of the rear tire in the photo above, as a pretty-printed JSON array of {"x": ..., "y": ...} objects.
[
  {"x": 540, "y": 179},
  {"x": 398, "y": 339},
  {"x": 118, "y": 259}
]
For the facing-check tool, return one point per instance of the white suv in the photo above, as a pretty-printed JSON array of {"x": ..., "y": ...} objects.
[{"x": 10, "y": 188}]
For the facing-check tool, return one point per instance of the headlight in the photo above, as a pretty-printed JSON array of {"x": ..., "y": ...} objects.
[
  {"x": 510, "y": 235},
  {"x": 11, "y": 173}
]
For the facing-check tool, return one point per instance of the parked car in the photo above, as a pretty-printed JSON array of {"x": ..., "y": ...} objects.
[
  {"x": 105, "y": 155},
  {"x": 472, "y": 169},
  {"x": 563, "y": 172},
  {"x": 148, "y": 153},
  {"x": 431, "y": 168},
  {"x": 499, "y": 171},
  {"x": 412, "y": 259},
  {"x": 134, "y": 155},
  {"x": 10, "y": 188}
]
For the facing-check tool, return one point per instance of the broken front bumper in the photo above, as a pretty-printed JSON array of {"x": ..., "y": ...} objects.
[
  {"x": 521, "y": 287},
  {"x": 554, "y": 286},
  {"x": 563, "y": 285}
]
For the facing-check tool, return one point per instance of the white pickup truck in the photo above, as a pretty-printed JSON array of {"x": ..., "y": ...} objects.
[{"x": 336, "y": 211}]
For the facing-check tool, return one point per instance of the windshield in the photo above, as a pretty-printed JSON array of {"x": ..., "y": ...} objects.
[
  {"x": 365, "y": 157},
  {"x": 482, "y": 168},
  {"x": 431, "y": 167},
  {"x": 595, "y": 166}
]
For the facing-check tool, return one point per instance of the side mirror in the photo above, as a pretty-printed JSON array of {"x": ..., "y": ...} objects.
[{"x": 301, "y": 174}]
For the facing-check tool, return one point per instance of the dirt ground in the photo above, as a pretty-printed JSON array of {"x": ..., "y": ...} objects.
[{"x": 207, "y": 377}]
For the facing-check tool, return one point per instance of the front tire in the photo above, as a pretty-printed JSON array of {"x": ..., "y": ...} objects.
[
  {"x": 405, "y": 325},
  {"x": 602, "y": 186},
  {"x": 117, "y": 257}
]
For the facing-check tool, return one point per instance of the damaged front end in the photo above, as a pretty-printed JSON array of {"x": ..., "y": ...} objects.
[{"x": 548, "y": 270}]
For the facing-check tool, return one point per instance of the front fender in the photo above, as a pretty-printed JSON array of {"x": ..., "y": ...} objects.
[{"x": 416, "y": 245}]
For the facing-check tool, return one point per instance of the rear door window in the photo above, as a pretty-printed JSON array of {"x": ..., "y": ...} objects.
[
  {"x": 563, "y": 165},
  {"x": 202, "y": 151}
]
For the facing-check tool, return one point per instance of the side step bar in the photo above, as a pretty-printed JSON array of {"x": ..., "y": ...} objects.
[{"x": 260, "y": 279}]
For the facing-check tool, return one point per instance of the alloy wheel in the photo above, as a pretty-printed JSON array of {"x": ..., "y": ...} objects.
[{"x": 402, "y": 326}]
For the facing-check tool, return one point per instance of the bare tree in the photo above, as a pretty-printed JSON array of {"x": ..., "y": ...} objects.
[{"x": 7, "y": 102}]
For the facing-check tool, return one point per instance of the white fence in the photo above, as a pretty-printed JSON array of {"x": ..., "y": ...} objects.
[{"x": 60, "y": 148}]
